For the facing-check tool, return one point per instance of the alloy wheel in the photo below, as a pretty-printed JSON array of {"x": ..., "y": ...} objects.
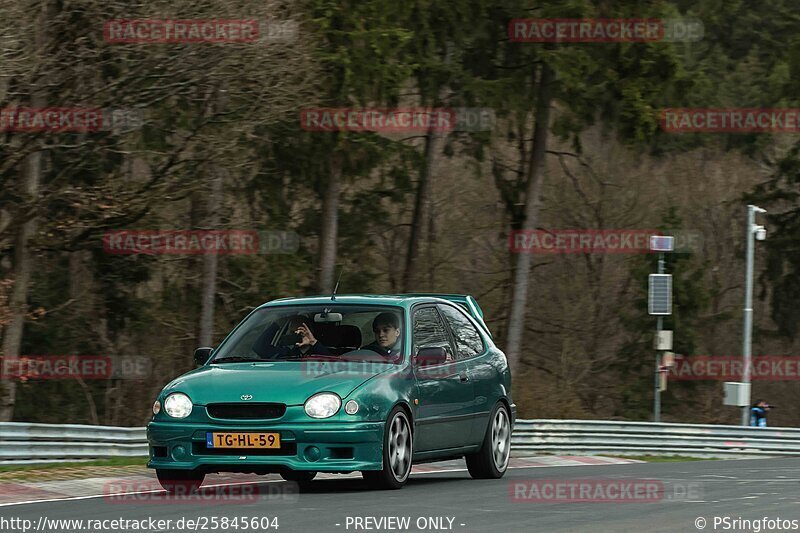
[
  {"x": 400, "y": 447},
  {"x": 501, "y": 439}
]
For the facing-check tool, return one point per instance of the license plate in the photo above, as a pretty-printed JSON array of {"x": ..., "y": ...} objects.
[{"x": 243, "y": 440}]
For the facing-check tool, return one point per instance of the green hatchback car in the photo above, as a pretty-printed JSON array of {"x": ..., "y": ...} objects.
[{"x": 340, "y": 384}]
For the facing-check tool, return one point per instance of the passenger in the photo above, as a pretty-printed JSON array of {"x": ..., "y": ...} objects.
[
  {"x": 308, "y": 344},
  {"x": 386, "y": 327}
]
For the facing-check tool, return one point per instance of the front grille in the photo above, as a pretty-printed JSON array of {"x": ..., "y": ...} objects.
[
  {"x": 246, "y": 411},
  {"x": 287, "y": 448}
]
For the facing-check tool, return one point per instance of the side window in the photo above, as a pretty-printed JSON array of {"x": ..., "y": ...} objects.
[
  {"x": 430, "y": 332},
  {"x": 468, "y": 341}
]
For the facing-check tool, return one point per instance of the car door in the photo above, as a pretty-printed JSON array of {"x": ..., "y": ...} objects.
[
  {"x": 472, "y": 351},
  {"x": 444, "y": 413}
]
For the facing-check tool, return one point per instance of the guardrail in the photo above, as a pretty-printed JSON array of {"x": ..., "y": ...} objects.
[
  {"x": 42, "y": 443},
  {"x": 599, "y": 437}
]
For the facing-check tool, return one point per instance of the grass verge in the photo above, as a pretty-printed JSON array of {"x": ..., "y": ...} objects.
[{"x": 73, "y": 470}]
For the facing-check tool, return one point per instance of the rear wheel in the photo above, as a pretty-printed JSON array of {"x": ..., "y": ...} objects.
[
  {"x": 180, "y": 482},
  {"x": 398, "y": 447},
  {"x": 491, "y": 461}
]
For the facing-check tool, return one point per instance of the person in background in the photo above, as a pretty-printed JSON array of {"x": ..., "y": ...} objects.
[{"x": 758, "y": 414}]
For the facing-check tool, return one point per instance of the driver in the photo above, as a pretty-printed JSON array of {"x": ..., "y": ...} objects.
[{"x": 386, "y": 327}]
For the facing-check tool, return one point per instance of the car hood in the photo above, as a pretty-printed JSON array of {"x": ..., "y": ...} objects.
[{"x": 291, "y": 383}]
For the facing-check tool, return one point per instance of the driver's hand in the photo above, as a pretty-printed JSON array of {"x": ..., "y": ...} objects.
[{"x": 308, "y": 337}]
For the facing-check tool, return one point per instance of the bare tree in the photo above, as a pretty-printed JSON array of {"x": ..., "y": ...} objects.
[
  {"x": 329, "y": 231},
  {"x": 29, "y": 182},
  {"x": 422, "y": 209},
  {"x": 535, "y": 178},
  {"x": 210, "y": 261}
]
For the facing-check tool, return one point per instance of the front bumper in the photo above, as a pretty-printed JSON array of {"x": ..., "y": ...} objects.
[{"x": 315, "y": 446}]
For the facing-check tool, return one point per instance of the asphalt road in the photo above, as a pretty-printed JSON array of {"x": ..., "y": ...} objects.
[{"x": 686, "y": 491}]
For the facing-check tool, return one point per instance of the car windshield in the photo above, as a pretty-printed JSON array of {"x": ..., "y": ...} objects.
[{"x": 327, "y": 332}]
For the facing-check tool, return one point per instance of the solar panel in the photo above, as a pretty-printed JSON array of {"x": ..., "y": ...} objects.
[
  {"x": 662, "y": 243},
  {"x": 659, "y": 300}
]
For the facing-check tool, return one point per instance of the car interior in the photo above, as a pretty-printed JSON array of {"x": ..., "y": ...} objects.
[{"x": 343, "y": 338}]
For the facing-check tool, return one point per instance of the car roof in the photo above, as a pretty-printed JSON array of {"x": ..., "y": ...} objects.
[{"x": 364, "y": 299}]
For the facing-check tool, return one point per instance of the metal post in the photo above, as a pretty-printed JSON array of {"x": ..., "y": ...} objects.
[
  {"x": 748, "y": 310},
  {"x": 659, "y": 324}
]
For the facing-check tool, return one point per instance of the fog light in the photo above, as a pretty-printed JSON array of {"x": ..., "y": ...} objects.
[
  {"x": 178, "y": 453},
  {"x": 351, "y": 407},
  {"x": 312, "y": 453}
]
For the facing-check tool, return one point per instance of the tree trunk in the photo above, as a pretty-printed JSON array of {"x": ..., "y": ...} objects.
[
  {"x": 31, "y": 176},
  {"x": 18, "y": 302},
  {"x": 329, "y": 232},
  {"x": 535, "y": 177},
  {"x": 421, "y": 209},
  {"x": 210, "y": 262},
  {"x": 431, "y": 246}
]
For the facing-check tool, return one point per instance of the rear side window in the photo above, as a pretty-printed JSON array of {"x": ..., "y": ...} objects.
[
  {"x": 468, "y": 341},
  {"x": 430, "y": 332}
]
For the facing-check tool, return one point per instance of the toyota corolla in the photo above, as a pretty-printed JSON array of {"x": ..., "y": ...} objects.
[{"x": 340, "y": 384}]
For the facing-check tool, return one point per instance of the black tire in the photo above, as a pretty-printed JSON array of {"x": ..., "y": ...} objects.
[
  {"x": 301, "y": 477},
  {"x": 491, "y": 461},
  {"x": 397, "y": 455},
  {"x": 180, "y": 482}
]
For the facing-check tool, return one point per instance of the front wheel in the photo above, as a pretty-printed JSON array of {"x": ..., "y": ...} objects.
[
  {"x": 491, "y": 461},
  {"x": 180, "y": 482},
  {"x": 301, "y": 477},
  {"x": 398, "y": 447}
]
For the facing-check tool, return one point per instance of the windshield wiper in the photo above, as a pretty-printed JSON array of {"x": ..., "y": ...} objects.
[{"x": 234, "y": 359}]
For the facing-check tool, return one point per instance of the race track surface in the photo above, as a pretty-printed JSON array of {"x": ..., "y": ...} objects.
[{"x": 675, "y": 496}]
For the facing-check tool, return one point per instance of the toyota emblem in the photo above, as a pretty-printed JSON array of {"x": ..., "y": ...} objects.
[{"x": 246, "y": 397}]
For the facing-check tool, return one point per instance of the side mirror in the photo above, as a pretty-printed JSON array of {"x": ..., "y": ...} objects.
[
  {"x": 201, "y": 355},
  {"x": 431, "y": 356}
]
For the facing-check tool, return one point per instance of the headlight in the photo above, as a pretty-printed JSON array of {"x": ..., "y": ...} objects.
[
  {"x": 323, "y": 405},
  {"x": 178, "y": 405},
  {"x": 156, "y": 407}
]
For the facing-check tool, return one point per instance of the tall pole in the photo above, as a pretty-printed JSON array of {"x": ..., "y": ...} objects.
[
  {"x": 657, "y": 381},
  {"x": 748, "y": 310}
]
